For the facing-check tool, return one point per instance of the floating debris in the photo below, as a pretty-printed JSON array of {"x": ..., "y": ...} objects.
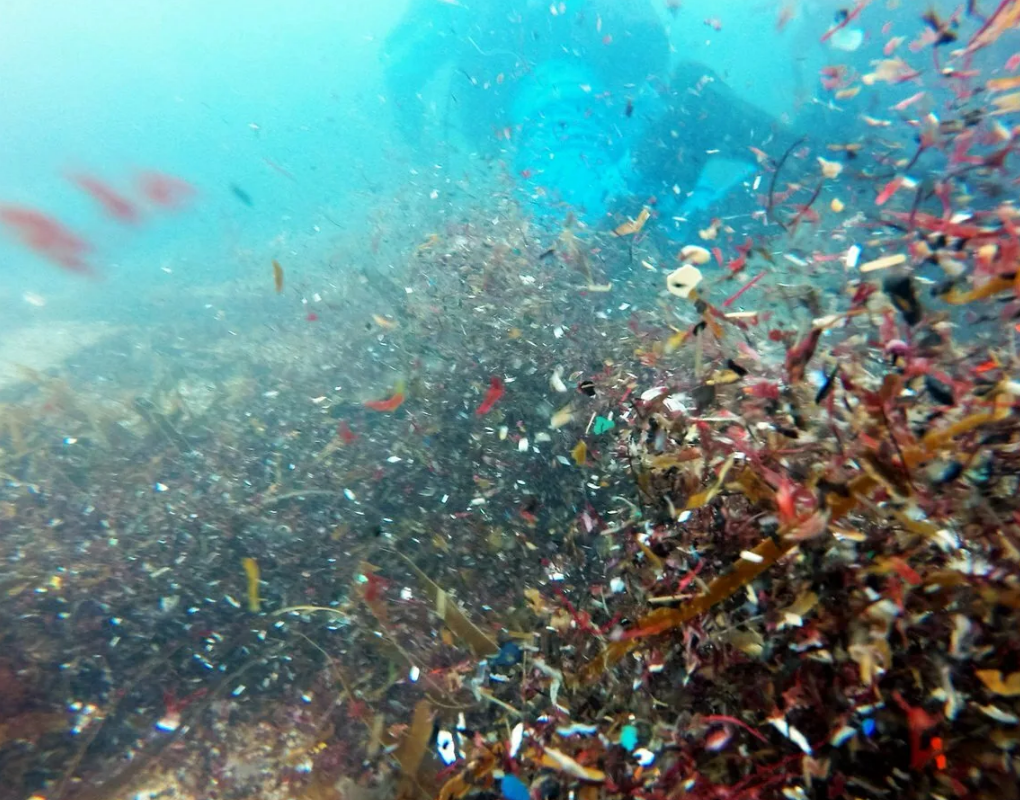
[
  {"x": 391, "y": 403},
  {"x": 633, "y": 226},
  {"x": 277, "y": 276},
  {"x": 251, "y": 571},
  {"x": 683, "y": 281}
]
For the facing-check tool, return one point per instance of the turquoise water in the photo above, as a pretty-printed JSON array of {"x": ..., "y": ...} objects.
[{"x": 213, "y": 94}]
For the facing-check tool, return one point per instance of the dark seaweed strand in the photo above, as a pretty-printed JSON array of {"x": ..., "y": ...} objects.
[{"x": 772, "y": 183}]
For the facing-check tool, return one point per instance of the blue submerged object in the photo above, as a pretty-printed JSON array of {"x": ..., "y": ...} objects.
[
  {"x": 509, "y": 655},
  {"x": 513, "y": 788}
]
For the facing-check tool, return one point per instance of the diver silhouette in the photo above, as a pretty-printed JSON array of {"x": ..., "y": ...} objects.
[{"x": 580, "y": 94}]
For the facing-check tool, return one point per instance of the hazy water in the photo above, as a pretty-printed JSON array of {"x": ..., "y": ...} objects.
[
  {"x": 288, "y": 105},
  {"x": 210, "y": 92},
  {"x": 205, "y": 92}
]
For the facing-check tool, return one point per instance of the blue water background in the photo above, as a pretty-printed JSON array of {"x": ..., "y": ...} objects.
[{"x": 210, "y": 91}]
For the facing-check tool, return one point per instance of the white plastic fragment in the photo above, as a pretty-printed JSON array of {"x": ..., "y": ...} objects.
[
  {"x": 999, "y": 715},
  {"x": 674, "y": 404},
  {"x": 853, "y": 255},
  {"x": 695, "y": 254},
  {"x": 644, "y": 756},
  {"x": 953, "y": 700},
  {"x": 516, "y": 737},
  {"x": 446, "y": 747},
  {"x": 555, "y": 674},
  {"x": 650, "y": 394},
  {"x": 799, "y": 739},
  {"x": 791, "y": 733},
  {"x": 842, "y": 735},
  {"x": 170, "y": 722},
  {"x": 523, "y": 444},
  {"x": 571, "y": 767},
  {"x": 577, "y": 729},
  {"x": 683, "y": 281}
]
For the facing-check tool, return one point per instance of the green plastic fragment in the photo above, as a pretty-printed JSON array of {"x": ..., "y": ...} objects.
[
  {"x": 628, "y": 738},
  {"x": 602, "y": 425}
]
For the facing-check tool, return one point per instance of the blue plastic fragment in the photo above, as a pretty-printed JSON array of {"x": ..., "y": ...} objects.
[
  {"x": 602, "y": 425},
  {"x": 868, "y": 726},
  {"x": 513, "y": 788},
  {"x": 628, "y": 738},
  {"x": 509, "y": 655}
]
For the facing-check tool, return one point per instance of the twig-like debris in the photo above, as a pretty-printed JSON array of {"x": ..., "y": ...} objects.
[
  {"x": 772, "y": 183},
  {"x": 272, "y": 501}
]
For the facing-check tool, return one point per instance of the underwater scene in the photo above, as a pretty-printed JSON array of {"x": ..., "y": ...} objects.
[{"x": 509, "y": 400}]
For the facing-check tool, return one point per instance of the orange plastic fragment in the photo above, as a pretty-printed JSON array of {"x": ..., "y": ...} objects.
[
  {"x": 999, "y": 284},
  {"x": 633, "y": 225}
]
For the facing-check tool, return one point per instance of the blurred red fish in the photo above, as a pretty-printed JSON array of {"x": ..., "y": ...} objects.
[
  {"x": 112, "y": 203},
  {"x": 786, "y": 13},
  {"x": 165, "y": 190},
  {"x": 48, "y": 237}
]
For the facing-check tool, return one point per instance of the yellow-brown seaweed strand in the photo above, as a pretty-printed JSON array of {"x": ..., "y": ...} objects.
[
  {"x": 277, "y": 276},
  {"x": 769, "y": 551},
  {"x": 251, "y": 569}
]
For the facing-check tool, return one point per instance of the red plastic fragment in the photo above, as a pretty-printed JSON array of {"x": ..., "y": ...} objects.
[
  {"x": 730, "y": 300},
  {"x": 496, "y": 390},
  {"x": 919, "y": 722}
]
